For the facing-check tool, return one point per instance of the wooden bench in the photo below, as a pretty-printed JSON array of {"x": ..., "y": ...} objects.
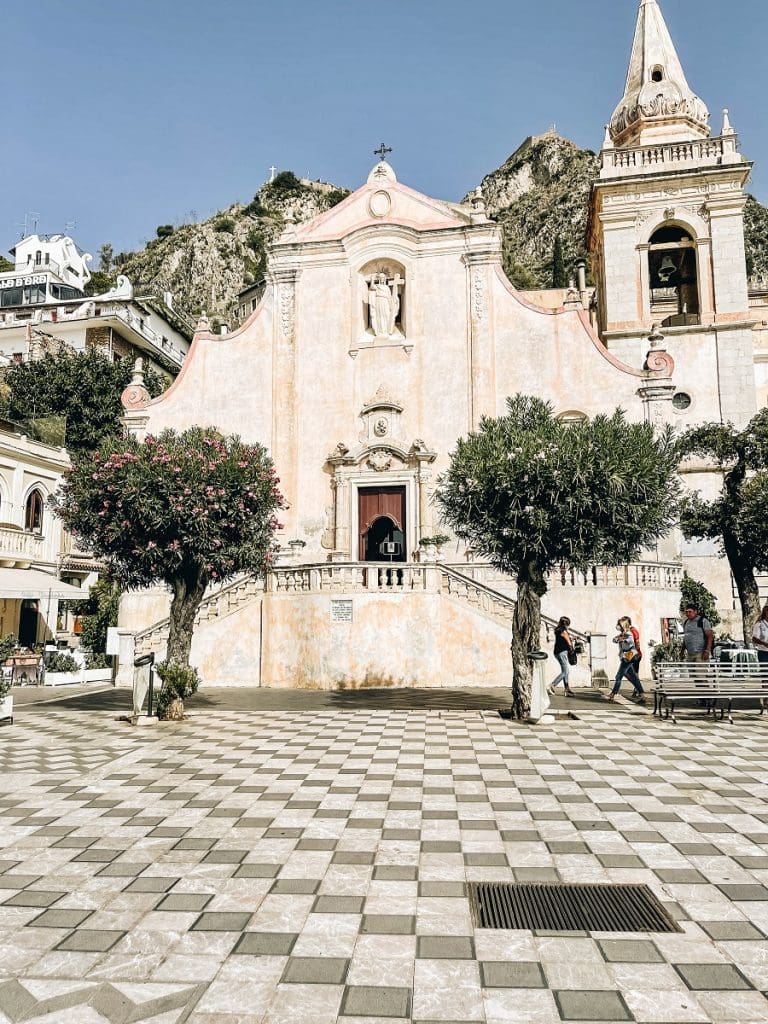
[{"x": 713, "y": 684}]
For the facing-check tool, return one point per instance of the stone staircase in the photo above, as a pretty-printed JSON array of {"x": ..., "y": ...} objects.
[
  {"x": 217, "y": 605},
  {"x": 350, "y": 578}
]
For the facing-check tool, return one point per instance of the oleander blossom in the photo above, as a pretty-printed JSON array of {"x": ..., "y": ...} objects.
[{"x": 182, "y": 509}]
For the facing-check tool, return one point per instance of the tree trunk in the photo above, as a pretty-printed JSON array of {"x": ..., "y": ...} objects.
[
  {"x": 746, "y": 585},
  {"x": 526, "y": 637},
  {"x": 187, "y": 597}
]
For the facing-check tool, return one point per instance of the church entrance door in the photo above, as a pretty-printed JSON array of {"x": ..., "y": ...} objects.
[{"x": 381, "y": 515}]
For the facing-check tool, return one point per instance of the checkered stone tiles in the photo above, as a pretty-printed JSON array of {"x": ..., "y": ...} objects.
[{"x": 311, "y": 867}]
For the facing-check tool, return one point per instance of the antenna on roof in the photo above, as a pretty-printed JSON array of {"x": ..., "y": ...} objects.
[
  {"x": 70, "y": 226},
  {"x": 33, "y": 216}
]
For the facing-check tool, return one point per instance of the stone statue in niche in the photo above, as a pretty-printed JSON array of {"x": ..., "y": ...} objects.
[{"x": 384, "y": 303}]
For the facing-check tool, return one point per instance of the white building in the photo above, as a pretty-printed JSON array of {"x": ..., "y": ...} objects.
[
  {"x": 388, "y": 329},
  {"x": 43, "y": 305},
  {"x": 33, "y": 542}
]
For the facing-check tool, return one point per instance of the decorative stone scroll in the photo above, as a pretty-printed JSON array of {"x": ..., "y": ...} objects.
[{"x": 135, "y": 397}]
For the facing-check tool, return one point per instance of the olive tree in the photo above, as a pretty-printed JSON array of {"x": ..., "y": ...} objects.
[
  {"x": 737, "y": 516},
  {"x": 184, "y": 509},
  {"x": 530, "y": 492}
]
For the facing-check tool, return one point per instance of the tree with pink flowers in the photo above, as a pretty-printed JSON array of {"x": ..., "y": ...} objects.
[{"x": 184, "y": 509}]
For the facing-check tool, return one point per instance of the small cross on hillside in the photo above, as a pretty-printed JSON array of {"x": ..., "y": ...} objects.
[{"x": 382, "y": 151}]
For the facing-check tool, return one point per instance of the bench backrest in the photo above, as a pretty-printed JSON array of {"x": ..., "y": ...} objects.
[{"x": 713, "y": 676}]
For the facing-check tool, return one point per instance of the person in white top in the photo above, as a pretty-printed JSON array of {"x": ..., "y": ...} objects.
[{"x": 760, "y": 635}]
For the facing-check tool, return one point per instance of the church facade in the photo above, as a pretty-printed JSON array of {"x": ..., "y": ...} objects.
[{"x": 388, "y": 329}]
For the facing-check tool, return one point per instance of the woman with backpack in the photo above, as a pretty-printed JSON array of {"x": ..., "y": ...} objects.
[
  {"x": 630, "y": 655},
  {"x": 563, "y": 652}
]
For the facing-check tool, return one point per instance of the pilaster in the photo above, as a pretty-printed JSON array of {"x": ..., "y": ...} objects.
[{"x": 482, "y": 356}]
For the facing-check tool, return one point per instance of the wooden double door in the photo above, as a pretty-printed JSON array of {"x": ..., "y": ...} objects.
[{"x": 381, "y": 519}]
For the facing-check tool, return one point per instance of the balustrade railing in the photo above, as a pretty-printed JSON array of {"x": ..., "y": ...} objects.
[
  {"x": 20, "y": 545},
  {"x": 671, "y": 154}
]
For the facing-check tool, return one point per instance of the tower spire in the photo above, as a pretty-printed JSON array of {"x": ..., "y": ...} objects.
[{"x": 658, "y": 104}]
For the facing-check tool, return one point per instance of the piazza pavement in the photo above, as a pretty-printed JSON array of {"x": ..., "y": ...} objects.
[{"x": 288, "y": 858}]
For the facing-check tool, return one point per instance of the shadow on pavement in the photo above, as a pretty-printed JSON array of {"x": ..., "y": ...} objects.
[{"x": 254, "y": 699}]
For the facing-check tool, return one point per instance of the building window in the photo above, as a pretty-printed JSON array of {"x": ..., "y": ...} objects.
[
  {"x": 33, "y": 513},
  {"x": 673, "y": 276},
  {"x": 681, "y": 401},
  {"x": 657, "y": 74}
]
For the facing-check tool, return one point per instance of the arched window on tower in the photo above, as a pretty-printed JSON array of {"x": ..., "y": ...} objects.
[
  {"x": 673, "y": 276},
  {"x": 33, "y": 513}
]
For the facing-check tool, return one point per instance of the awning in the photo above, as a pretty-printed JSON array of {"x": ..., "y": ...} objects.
[{"x": 20, "y": 584}]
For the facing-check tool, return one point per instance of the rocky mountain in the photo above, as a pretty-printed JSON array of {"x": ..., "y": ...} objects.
[
  {"x": 539, "y": 195},
  {"x": 204, "y": 265}
]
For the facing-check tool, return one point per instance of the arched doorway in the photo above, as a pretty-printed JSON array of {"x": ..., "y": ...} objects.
[
  {"x": 382, "y": 524},
  {"x": 28, "y": 623},
  {"x": 384, "y": 542}
]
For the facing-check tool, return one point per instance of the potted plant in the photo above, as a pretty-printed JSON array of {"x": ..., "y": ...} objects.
[
  {"x": 61, "y": 668},
  {"x": 178, "y": 683},
  {"x": 7, "y": 644}
]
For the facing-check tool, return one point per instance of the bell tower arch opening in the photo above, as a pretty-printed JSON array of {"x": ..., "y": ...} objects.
[{"x": 673, "y": 276}]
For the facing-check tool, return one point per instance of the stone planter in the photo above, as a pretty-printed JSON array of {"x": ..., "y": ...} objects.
[
  {"x": 88, "y": 675},
  {"x": 6, "y": 708}
]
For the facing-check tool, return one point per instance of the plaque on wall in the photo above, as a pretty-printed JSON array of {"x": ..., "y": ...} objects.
[{"x": 341, "y": 611}]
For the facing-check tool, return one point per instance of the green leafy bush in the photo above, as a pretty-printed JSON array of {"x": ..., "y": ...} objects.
[
  {"x": 696, "y": 594},
  {"x": 179, "y": 683},
  {"x": 97, "y": 660},
  {"x": 7, "y": 645},
  {"x": 61, "y": 663},
  {"x": 255, "y": 208},
  {"x": 225, "y": 224},
  {"x": 285, "y": 184},
  {"x": 165, "y": 230}
]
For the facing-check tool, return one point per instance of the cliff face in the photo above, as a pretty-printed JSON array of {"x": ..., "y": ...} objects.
[
  {"x": 205, "y": 265},
  {"x": 539, "y": 195}
]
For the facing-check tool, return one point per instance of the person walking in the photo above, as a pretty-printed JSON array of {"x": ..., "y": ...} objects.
[
  {"x": 630, "y": 655},
  {"x": 563, "y": 650},
  {"x": 760, "y": 635},
  {"x": 698, "y": 635}
]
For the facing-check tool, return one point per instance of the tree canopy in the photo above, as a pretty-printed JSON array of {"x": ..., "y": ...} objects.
[
  {"x": 530, "y": 492},
  {"x": 84, "y": 387},
  {"x": 736, "y": 518},
  {"x": 184, "y": 509}
]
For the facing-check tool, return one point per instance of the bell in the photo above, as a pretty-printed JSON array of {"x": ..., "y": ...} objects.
[{"x": 667, "y": 269}]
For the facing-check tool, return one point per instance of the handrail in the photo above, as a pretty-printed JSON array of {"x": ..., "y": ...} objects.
[{"x": 504, "y": 599}]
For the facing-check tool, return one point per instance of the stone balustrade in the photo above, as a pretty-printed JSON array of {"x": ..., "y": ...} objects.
[
  {"x": 19, "y": 547},
  {"x": 478, "y": 584},
  {"x": 642, "y": 575},
  {"x": 669, "y": 156}
]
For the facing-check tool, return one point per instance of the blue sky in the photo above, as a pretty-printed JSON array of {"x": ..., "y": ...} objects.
[{"x": 123, "y": 116}]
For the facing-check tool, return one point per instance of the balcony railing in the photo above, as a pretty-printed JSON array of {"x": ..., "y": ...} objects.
[
  {"x": 669, "y": 156},
  {"x": 87, "y": 309},
  {"x": 19, "y": 547}
]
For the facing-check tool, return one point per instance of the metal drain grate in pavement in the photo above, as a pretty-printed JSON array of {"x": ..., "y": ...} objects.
[{"x": 583, "y": 908}]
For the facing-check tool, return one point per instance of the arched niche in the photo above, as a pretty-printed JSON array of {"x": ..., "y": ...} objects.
[
  {"x": 383, "y": 299},
  {"x": 673, "y": 275}
]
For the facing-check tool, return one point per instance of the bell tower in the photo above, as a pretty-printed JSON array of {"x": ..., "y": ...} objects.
[{"x": 666, "y": 228}]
